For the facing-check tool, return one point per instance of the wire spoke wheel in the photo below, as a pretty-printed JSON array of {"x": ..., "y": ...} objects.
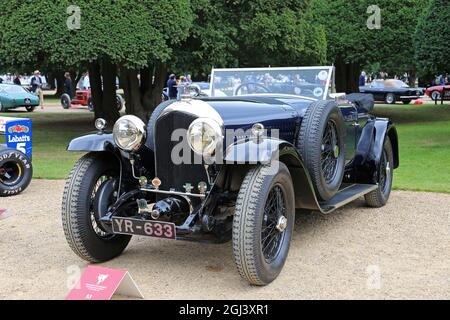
[
  {"x": 95, "y": 223},
  {"x": 330, "y": 151},
  {"x": 271, "y": 233}
]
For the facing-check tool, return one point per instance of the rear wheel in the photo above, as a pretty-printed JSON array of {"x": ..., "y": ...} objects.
[
  {"x": 91, "y": 177},
  {"x": 66, "y": 101},
  {"x": 321, "y": 143},
  {"x": 380, "y": 197},
  {"x": 30, "y": 108},
  {"x": 263, "y": 223},
  {"x": 120, "y": 103},
  {"x": 390, "y": 98},
  {"x": 90, "y": 104},
  {"x": 16, "y": 172}
]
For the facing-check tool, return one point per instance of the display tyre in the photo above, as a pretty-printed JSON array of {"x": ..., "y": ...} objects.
[
  {"x": 263, "y": 223},
  {"x": 89, "y": 187},
  {"x": 436, "y": 95},
  {"x": 390, "y": 98},
  {"x": 380, "y": 197},
  {"x": 16, "y": 172},
  {"x": 321, "y": 143},
  {"x": 66, "y": 101}
]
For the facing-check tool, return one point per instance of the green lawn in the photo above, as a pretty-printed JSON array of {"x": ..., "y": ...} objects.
[
  {"x": 424, "y": 134},
  {"x": 51, "y": 134}
]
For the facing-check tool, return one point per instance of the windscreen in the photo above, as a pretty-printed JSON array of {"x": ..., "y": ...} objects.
[{"x": 308, "y": 82}]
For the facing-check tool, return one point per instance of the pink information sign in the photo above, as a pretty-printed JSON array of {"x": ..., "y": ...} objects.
[
  {"x": 4, "y": 213},
  {"x": 99, "y": 283}
]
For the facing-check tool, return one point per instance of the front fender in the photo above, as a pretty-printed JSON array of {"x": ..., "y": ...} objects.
[
  {"x": 267, "y": 150},
  {"x": 93, "y": 142}
]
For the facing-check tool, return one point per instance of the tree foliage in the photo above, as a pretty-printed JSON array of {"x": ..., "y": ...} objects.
[{"x": 432, "y": 39}]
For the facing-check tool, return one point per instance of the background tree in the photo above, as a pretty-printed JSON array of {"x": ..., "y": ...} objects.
[
  {"x": 353, "y": 45},
  {"x": 432, "y": 39}
]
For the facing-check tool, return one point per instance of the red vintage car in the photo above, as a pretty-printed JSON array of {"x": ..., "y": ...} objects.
[
  {"x": 84, "y": 98},
  {"x": 435, "y": 92}
]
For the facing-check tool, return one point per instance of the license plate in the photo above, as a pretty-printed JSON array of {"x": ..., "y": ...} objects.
[{"x": 155, "y": 229}]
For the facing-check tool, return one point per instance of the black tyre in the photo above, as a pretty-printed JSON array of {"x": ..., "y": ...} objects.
[
  {"x": 380, "y": 197},
  {"x": 152, "y": 122},
  {"x": 263, "y": 223},
  {"x": 436, "y": 96},
  {"x": 16, "y": 172},
  {"x": 406, "y": 101},
  {"x": 120, "y": 102},
  {"x": 90, "y": 104},
  {"x": 321, "y": 143},
  {"x": 80, "y": 219},
  {"x": 390, "y": 98},
  {"x": 66, "y": 101},
  {"x": 30, "y": 108}
]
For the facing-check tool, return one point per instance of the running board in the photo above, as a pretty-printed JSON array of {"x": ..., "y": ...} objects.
[{"x": 346, "y": 195}]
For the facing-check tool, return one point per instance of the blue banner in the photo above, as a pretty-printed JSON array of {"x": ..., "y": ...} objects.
[{"x": 18, "y": 134}]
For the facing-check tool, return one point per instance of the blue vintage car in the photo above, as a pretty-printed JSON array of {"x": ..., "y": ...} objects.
[
  {"x": 234, "y": 166},
  {"x": 14, "y": 96}
]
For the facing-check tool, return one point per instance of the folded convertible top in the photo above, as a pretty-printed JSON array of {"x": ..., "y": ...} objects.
[{"x": 364, "y": 102}]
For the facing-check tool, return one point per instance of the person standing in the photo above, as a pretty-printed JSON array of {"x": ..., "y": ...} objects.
[
  {"x": 17, "y": 81},
  {"x": 36, "y": 87},
  {"x": 189, "y": 79},
  {"x": 172, "y": 87},
  {"x": 68, "y": 85},
  {"x": 362, "y": 79}
]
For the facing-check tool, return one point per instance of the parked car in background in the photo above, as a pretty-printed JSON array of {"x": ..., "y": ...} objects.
[
  {"x": 234, "y": 168},
  {"x": 435, "y": 93},
  {"x": 13, "y": 96},
  {"x": 84, "y": 98},
  {"x": 392, "y": 90}
]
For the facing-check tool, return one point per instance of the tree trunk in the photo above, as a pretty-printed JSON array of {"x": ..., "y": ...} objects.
[
  {"x": 347, "y": 76},
  {"x": 109, "y": 107},
  {"x": 95, "y": 79},
  {"x": 143, "y": 96}
]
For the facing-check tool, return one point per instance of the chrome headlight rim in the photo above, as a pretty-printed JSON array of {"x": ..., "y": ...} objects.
[
  {"x": 215, "y": 127},
  {"x": 136, "y": 134}
]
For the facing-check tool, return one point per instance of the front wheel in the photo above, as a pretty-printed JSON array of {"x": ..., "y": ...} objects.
[
  {"x": 30, "y": 108},
  {"x": 436, "y": 96},
  {"x": 263, "y": 223},
  {"x": 66, "y": 101},
  {"x": 407, "y": 101},
  {"x": 89, "y": 181},
  {"x": 379, "y": 197}
]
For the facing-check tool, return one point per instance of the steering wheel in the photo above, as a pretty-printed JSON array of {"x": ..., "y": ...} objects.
[{"x": 246, "y": 85}]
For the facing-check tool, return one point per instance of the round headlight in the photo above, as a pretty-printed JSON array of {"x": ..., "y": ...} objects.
[
  {"x": 129, "y": 133},
  {"x": 203, "y": 136}
]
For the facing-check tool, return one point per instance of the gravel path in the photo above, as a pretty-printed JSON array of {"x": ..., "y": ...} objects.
[{"x": 400, "y": 251}]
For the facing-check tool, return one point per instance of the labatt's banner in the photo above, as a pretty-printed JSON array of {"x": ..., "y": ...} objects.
[{"x": 18, "y": 134}]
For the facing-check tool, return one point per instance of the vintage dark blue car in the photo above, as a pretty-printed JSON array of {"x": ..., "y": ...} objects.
[
  {"x": 392, "y": 90},
  {"x": 234, "y": 166}
]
